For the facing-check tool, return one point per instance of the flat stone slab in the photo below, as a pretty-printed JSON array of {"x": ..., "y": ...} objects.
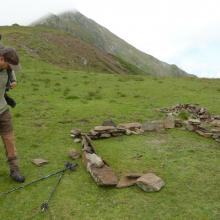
[
  {"x": 129, "y": 179},
  {"x": 150, "y": 182},
  {"x": 103, "y": 176},
  {"x": 194, "y": 121},
  {"x": 130, "y": 126},
  {"x": 39, "y": 162},
  {"x": 216, "y": 131},
  {"x": 169, "y": 122},
  {"x": 126, "y": 182},
  {"x": 104, "y": 128},
  {"x": 134, "y": 175},
  {"x": 153, "y": 125},
  {"x": 216, "y": 123},
  {"x": 204, "y": 134}
]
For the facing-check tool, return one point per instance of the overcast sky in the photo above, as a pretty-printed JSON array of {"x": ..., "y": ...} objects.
[{"x": 184, "y": 32}]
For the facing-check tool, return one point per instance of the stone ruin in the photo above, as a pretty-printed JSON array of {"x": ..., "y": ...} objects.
[
  {"x": 196, "y": 119},
  {"x": 103, "y": 174}
]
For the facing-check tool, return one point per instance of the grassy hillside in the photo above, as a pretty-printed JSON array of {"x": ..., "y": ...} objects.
[
  {"x": 64, "y": 50},
  {"x": 94, "y": 34},
  {"x": 52, "y": 101}
]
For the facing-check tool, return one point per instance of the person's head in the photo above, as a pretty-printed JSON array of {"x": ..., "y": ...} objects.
[{"x": 9, "y": 59}]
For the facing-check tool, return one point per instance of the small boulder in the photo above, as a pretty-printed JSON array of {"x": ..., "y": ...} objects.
[
  {"x": 139, "y": 130},
  {"x": 93, "y": 133},
  {"x": 95, "y": 160},
  {"x": 150, "y": 182},
  {"x": 73, "y": 154},
  {"x": 77, "y": 140},
  {"x": 76, "y": 133},
  {"x": 128, "y": 132},
  {"x": 105, "y": 135},
  {"x": 178, "y": 123}
]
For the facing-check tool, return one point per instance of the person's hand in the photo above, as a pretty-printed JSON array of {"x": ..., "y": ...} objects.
[{"x": 13, "y": 85}]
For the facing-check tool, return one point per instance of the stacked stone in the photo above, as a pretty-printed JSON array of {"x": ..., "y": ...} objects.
[
  {"x": 196, "y": 111},
  {"x": 107, "y": 131},
  {"x": 206, "y": 130},
  {"x": 100, "y": 171},
  {"x": 76, "y": 134},
  {"x": 201, "y": 121},
  {"x": 103, "y": 174},
  {"x": 100, "y": 132}
]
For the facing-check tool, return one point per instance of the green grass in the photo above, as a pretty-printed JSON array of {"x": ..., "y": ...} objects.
[{"x": 52, "y": 101}]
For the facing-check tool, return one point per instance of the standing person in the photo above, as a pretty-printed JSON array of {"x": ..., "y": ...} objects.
[
  {"x": 8, "y": 60},
  {"x": 11, "y": 81},
  {"x": 1, "y": 46}
]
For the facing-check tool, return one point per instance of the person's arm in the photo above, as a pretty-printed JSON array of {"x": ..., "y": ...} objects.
[
  {"x": 1, "y": 45},
  {"x": 12, "y": 79}
]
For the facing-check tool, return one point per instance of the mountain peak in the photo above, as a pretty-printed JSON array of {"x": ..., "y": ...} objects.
[
  {"x": 96, "y": 35},
  {"x": 69, "y": 12}
]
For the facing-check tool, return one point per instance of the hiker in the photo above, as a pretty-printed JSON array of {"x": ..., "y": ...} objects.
[
  {"x": 1, "y": 46},
  {"x": 8, "y": 59},
  {"x": 11, "y": 82}
]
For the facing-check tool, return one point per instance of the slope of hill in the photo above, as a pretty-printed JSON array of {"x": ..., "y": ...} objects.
[
  {"x": 65, "y": 50},
  {"x": 93, "y": 33},
  {"x": 51, "y": 101}
]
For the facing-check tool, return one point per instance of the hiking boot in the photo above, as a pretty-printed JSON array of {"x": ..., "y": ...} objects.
[
  {"x": 16, "y": 176},
  {"x": 14, "y": 170}
]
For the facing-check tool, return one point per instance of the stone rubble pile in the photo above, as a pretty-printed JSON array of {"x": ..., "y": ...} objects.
[
  {"x": 200, "y": 120},
  {"x": 194, "y": 109}
]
